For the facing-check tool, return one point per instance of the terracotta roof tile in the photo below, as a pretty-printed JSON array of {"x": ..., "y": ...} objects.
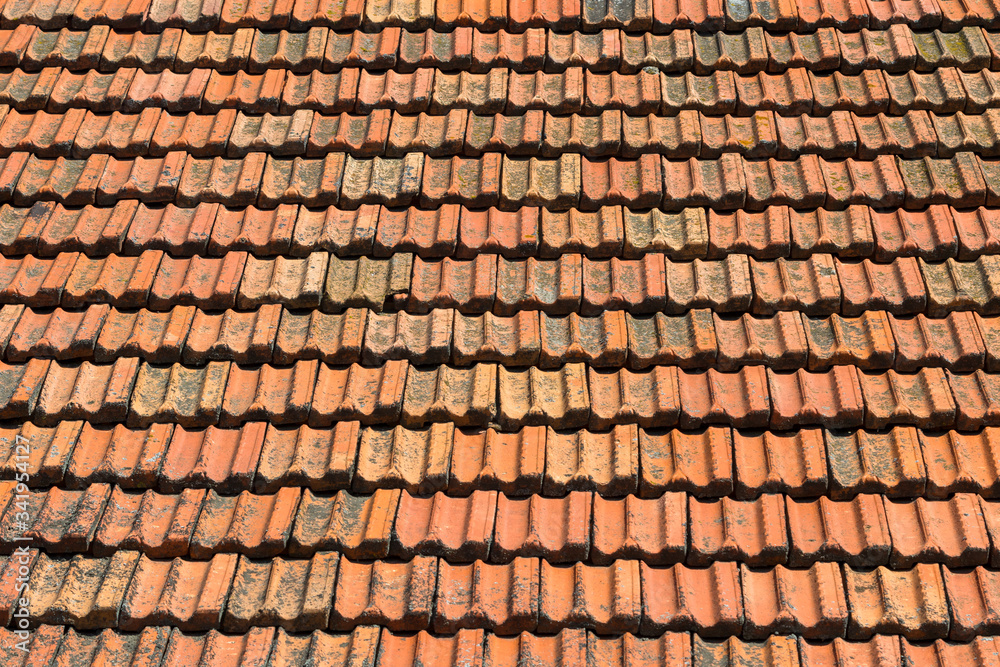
[
  {"x": 653, "y": 530},
  {"x": 896, "y": 287},
  {"x": 680, "y": 135},
  {"x": 515, "y": 340},
  {"x": 832, "y": 399},
  {"x": 355, "y": 526},
  {"x": 855, "y": 532},
  {"x": 186, "y": 594},
  {"x": 596, "y": 234},
  {"x": 923, "y": 399},
  {"x": 502, "y": 598},
  {"x": 166, "y": 90},
  {"x": 582, "y": 460},
  {"x": 960, "y": 462},
  {"x": 188, "y": 396},
  {"x": 866, "y": 341},
  {"x": 808, "y": 602},
  {"x": 83, "y": 592},
  {"x": 793, "y": 463},
  {"x": 114, "y": 455},
  {"x": 808, "y": 285},
  {"x": 417, "y": 461},
  {"x": 320, "y": 459},
  {"x": 608, "y": 599},
  {"x": 598, "y": 341},
  {"x": 751, "y": 532},
  {"x": 158, "y": 525},
  {"x": 398, "y": 596},
  {"x": 480, "y": 460},
  {"x": 65, "y": 521},
  {"x": 457, "y": 529},
  {"x": 744, "y": 52},
  {"x": 59, "y": 334},
  {"x": 911, "y": 135},
  {"x": 98, "y": 394},
  {"x": 779, "y": 341},
  {"x": 775, "y": 651},
  {"x": 145, "y": 51},
  {"x": 911, "y": 603},
  {"x": 21, "y": 386},
  {"x": 700, "y": 462},
  {"x": 668, "y": 595},
  {"x": 293, "y": 594},
  {"x": 890, "y": 463}
]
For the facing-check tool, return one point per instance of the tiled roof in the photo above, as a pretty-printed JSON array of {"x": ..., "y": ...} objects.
[{"x": 496, "y": 332}]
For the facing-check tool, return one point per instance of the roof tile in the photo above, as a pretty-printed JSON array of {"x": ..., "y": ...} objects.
[
  {"x": 186, "y": 594},
  {"x": 808, "y": 285},
  {"x": 793, "y": 463},
  {"x": 890, "y": 463},
  {"x": 353, "y": 525},
  {"x": 911, "y": 135},
  {"x": 320, "y": 459},
  {"x": 653, "y": 530},
  {"x": 456, "y": 529},
  {"x": 433, "y": 135},
  {"x": 279, "y": 395},
  {"x": 673, "y": 52},
  {"x": 699, "y": 463},
  {"x": 244, "y": 337},
  {"x": 669, "y": 594},
  {"x": 533, "y": 396},
  {"x": 647, "y": 398},
  {"x": 221, "y": 459},
  {"x": 59, "y": 334},
  {"x": 364, "y": 135},
  {"x": 701, "y": 403},
  {"x": 751, "y": 532},
  {"x": 911, "y": 603},
  {"x": 778, "y": 342},
  {"x": 175, "y": 92},
  {"x": 607, "y": 463},
  {"x": 595, "y": 234},
  {"x": 952, "y": 532},
  {"x": 555, "y": 529},
  {"x": 763, "y": 235},
  {"x": 940, "y": 91},
  {"x": 775, "y": 651},
  {"x": 221, "y": 52},
  {"x": 864, "y": 93},
  {"x": 896, "y": 287},
  {"x": 687, "y": 340},
  {"x": 606, "y": 598},
  {"x": 808, "y": 602},
  {"x": 599, "y": 341},
  {"x": 514, "y": 340},
  {"x": 327, "y": 93},
  {"x": 158, "y": 525},
  {"x": 832, "y": 398},
  {"x": 417, "y": 461},
  {"x": 744, "y": 52},
  {"x": 128, "y": 458},
  {"x": 187, "y": 396},
  {"x": 369, "y": 283},
  {"x": 155, "y": 337},
  {"x": 679, "y": 136},
  {"x": 468, "y": 286},
  {"x": 953, "y": 342},
  {"x": 817, "y": 51},
  {"x": 145, "y": 51},
  {"x": 875, "y": 183},
  {"x": 712, "y": 94},
  {"x": 463, "y": 396},
  {"x": 922, "y": 399},
  {"x": 787, "y": 93},
  {"x": 512, "y": 463},
  {"x": 960, "y": 462},
  {"x": 501, "y": 598},
  {"x": 343, "y": 232},
  {"x": 65, "y": 521},
  {"x": 292, "y": 594},
  {"x": 39, "y": 282},
  {"x": 82, "y": 592},
  {"x": 865, "y": 341},
  {"x": 50, "y": 448},
  {"x": 270, "y": 16},
  {"x": 522, "y": 134},
  {"x": 32, "y": 90},
  {"x": 373, "y": 395},
  {"x": 95, "y": 393},
  {"x": 419, "y": 338},
  {"x": 398, "y": 596},
  {"x": 855, "y": 532},
  {"x": 524, "y": 51},
  {"x": 255, "y": 525}
]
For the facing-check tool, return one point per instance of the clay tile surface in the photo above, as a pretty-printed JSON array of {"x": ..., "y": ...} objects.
[
  {"x": 751, "y": 532},
  {"x": 907, "y": 602}
]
